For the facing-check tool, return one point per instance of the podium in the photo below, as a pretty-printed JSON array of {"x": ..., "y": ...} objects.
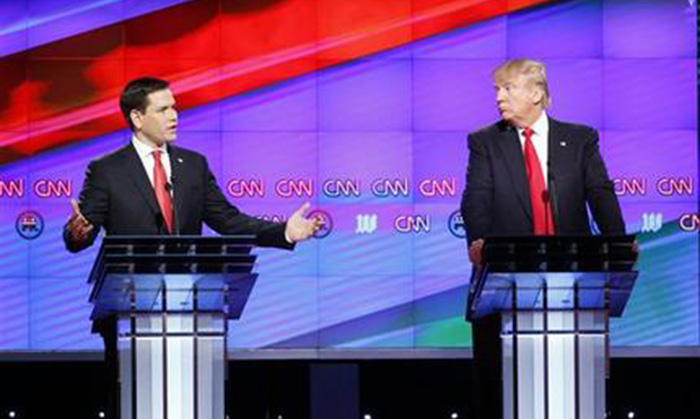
[
  {"x": 172, "y": 297},
  {"x": 554, "y": 296}
]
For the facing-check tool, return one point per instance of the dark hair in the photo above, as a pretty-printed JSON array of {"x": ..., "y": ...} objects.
[{"x": 135, "y": 95}]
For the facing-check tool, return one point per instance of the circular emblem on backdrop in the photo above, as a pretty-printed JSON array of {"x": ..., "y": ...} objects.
[
  {"x": 327, "y": 226},
  {"x": 29, "y": 225},
  {"x": 456, "y": 225}
]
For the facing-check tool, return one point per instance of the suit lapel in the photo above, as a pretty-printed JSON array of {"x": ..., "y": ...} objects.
[
  {"x": 176, "y": 178},
  {"x": 140, "y": 179},
  {"x": 555, "y": 142},
  {"x": 509, "y": 144}
]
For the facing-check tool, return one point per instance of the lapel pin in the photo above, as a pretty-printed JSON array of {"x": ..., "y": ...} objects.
[
  {"x": 179, "y": 160},
  {"x": 562, "y": 143}
]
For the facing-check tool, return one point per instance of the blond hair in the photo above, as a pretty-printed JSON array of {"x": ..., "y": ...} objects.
[{"x": 533, "y": 71}]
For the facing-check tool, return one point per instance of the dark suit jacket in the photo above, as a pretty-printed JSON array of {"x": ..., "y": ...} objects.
[
  {"x": 496, "y": 200},
  {"x": 118, "y": 197}
]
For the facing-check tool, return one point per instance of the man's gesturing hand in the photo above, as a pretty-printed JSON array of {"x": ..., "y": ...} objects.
[
  {"x": 301, "y": 228},
  {"x": 78, "y": 226}
]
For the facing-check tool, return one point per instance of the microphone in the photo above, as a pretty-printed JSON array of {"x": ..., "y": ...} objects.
[
  {"x": 160, "y": 223},
  {"x": 551, "y": 196},
  {"x": 171, "y": 190}
]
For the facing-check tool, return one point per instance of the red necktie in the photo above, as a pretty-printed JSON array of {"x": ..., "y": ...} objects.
[
  {"x": 162, "y": 194},
  {"x": 541, "y": 211}
]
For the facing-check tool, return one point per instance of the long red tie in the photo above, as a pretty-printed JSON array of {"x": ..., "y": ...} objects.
[
  {"x": 543, "y": 224},
  {"x": 162, "y": 194}
]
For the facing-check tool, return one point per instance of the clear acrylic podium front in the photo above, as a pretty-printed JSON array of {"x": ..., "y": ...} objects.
[
  {"x": 555, "y": 296},
  {"x": 172, "y": 297}
]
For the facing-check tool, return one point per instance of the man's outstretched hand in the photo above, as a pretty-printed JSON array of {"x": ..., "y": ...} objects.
[
  {"x": 78, "y": 226},
  {"x": 299, "y": 227}
]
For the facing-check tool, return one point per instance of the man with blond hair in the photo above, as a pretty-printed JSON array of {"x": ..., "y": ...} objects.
[{"x": 528, "y": 174}]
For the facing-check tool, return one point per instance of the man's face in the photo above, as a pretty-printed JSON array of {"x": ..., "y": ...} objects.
[
  {"x": 517, "y": 100},
  {"x": 158, "y": 123}
]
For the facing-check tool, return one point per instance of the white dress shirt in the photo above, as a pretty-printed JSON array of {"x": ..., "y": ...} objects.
[
  {"x": 147, "y": 157},
  {"x": 539, "y": 140}
]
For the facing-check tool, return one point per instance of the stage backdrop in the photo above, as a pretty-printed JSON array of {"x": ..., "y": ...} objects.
[{"x": 362, "y": 108}]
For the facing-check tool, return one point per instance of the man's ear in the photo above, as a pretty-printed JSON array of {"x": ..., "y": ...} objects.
[
  {"x": 136, "y": 118},
  {"x": 537, "y": 95}
]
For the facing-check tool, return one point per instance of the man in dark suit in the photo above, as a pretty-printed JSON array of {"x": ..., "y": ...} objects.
[
  {"x": 527, "y": 175},
  {"x": 151, "y": 187}
]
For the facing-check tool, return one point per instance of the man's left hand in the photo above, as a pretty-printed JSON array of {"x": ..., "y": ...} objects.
[{"x": 299, "y": 227}]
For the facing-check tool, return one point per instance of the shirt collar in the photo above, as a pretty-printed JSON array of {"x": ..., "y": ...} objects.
[
  {"x": 143, "y": 149},
  {"x": 540, "y": 126}
]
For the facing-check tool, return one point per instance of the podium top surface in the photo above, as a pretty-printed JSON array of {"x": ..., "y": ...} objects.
[
  {"x": 560, "y": 254},
  {"x": 553, "y": 273},
  {"x": 176, "y": 245},
  {"x": 172, "y": 273},
  {"x": 173, "y": 254}
]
